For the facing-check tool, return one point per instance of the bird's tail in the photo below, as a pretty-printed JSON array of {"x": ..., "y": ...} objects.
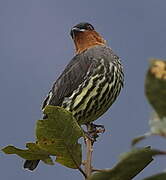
[{"x": 31, "y": 164}]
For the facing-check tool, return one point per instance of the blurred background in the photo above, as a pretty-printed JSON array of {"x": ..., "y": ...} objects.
[{"x": 35, "y": 46}]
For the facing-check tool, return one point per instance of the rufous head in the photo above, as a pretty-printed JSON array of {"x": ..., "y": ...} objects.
[{"x": 85, "y": 36}]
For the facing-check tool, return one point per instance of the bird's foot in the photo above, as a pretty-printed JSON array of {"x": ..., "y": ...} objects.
[
  {"x": 97, "y": 128},
  {"x": 89, "y": 136},
  {"x": 93, "y": 130}
]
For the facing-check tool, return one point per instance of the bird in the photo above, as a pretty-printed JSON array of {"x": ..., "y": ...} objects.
[{"x": 91, "y": 81}]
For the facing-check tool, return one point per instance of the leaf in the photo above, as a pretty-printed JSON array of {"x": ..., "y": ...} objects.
[
  {"x": 155, "y": 90},
  {"x": 161, "y": 176},
  {"x": 32, "y": 153},
  {"x": 155, "y": 86},
  {"x": 130, "y": 164},
  {"x": 58, "y": 135}
]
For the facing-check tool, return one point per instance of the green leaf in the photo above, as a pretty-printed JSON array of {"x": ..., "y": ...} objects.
[
  {"x": 155, "y": 86},
  {"x": 32, "y": 153},
  {"x": 161, "y": 176},
  {"x": 130, "y": 164},
  {"x": 155, "y": 90},
  {"x": 58, "y": 135}
]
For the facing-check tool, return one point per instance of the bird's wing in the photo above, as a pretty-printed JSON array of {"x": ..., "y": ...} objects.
[{"x": 73, "y": 75}]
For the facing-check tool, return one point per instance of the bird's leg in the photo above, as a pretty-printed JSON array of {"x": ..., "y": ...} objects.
[{"x": 90, "y": 137}]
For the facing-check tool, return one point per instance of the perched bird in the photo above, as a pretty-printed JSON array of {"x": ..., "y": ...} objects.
[{"x": 90, "y": 82}]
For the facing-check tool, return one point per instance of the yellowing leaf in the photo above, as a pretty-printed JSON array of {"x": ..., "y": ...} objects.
[
  {"x": 155, "y": 90},
  {"x": 155, "y": 86}
]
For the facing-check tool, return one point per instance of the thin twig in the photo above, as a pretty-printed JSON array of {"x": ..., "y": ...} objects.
[
  {"x": 100, "y": 170},
  {"x": 89, "y": 150}
]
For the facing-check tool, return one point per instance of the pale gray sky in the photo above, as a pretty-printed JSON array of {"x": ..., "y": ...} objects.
[{"x": 35, "y": 46}]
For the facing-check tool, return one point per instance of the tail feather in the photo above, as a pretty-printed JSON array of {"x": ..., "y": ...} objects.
[{"x": 31, "y": 164}]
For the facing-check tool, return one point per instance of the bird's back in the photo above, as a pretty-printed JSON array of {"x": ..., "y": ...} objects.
[{"x": 89, "y": 84}]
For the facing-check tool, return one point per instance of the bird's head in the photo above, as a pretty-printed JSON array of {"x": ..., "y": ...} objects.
[{"x": 85, "y": 36}]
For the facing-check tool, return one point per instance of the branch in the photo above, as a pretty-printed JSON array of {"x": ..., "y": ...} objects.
[{"x": 89, "y": 150}]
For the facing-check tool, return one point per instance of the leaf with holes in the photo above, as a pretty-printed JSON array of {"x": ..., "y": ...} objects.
[{"x": 58, "y": 135}]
